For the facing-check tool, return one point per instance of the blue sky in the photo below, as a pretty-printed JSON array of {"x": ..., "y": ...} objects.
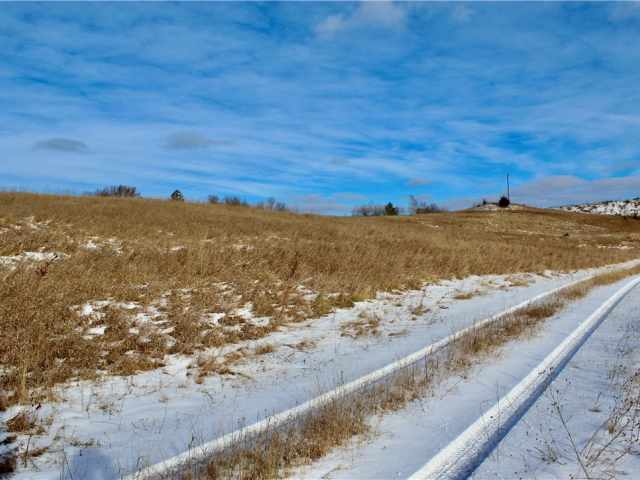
[{"x": 323, "y": 105}]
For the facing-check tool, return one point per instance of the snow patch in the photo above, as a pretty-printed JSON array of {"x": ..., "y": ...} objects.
[
  {"x": 13, "y": 260},
  {"x": 623, "y": 208}
]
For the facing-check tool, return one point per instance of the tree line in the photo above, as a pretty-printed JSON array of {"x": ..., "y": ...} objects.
[
  {"x": 416, "y": 207},
  {"x": 127, "y": 191}
]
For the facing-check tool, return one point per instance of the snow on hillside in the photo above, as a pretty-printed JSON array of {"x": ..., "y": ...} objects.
[{"x": 625, "y": 208}]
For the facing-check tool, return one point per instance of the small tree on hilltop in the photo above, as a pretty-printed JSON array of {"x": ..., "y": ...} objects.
[
  {"x": 504, "y": 202},
  {"x": 389, "y": 209},
  {"x": 177, "y": 196}
]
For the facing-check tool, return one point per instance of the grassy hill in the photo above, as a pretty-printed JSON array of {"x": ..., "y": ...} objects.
[{"x": 105, "y": 284}]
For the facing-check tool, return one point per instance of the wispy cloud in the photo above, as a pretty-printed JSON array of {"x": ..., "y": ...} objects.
[
  {"x": 67, "y": 145},
  {"x": 623, "y": 11},
  {"x": 189, "y": 141},
  {"x": 418, "y": 182},
  {"x": 381, "y": 14},
  {"x": 461, "y": 13}
]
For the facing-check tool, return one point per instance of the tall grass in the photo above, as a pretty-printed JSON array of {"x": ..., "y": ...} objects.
[{"x": 191, "y": 261}]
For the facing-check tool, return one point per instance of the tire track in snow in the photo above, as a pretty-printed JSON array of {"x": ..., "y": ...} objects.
[
  {"x": 200, "y": 453},
  {"x": 461, "y": 457}
]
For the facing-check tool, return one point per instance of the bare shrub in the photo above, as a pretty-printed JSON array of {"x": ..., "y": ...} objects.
[
  {"x": 368, "y": 211},
  {"x": 272, "y": 204},
  {"x": 22, "y": 422},
  {"x": 418, "y": 207},
  {"x": 118, "y": 191},
  {"x": 235, "y": 201}
]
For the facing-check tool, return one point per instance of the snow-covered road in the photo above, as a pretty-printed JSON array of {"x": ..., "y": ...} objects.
[
  {"x": 462, "y": 456},
  {"x": 406, "y": 439},
  {"x": 572, "y": 423}
]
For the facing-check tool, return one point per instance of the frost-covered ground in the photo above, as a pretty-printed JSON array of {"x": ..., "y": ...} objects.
[
  {"x": 625, "y": 208},
  {"x": 106, "y": 428},
  {"x": 405, "y": 440}
]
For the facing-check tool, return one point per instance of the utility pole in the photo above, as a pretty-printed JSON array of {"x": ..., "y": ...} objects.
[{"x": 508, "y": 188}]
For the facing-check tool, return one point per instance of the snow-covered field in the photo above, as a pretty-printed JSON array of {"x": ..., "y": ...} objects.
[
  {"x": 625, "y": 208},
  {"x": 110, "y": 428}
]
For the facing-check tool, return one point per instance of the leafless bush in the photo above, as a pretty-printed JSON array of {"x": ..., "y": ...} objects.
[
  {"x": 235, "y": 201},
  {"x": 417, "y": 207},
  {"x": 273, "y": 205},
  {"x": 118, "y": 191},
  {"x": 369, "y": 211}
]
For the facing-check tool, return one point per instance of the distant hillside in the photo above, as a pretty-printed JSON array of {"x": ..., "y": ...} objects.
[{"x": 623, "y": 208}]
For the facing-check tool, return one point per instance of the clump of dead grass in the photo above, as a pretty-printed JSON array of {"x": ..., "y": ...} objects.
[
  {"x": 210, "y": 364},
  {"x": 466, "y": 295},
  {"x": 23, "y": 422},
  {"x": 367, "y": 324},
  {"x": 264, "y": 349}
]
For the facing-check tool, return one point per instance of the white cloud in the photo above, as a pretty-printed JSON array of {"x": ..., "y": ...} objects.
[
  {"x": 386, "y": 14},
  {"x": 461, "y": 13},
  {"x": 331, "y": 25}
]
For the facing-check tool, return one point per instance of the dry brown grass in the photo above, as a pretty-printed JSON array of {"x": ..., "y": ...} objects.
[
  {"x": 264, "y": 349},
  {"x": 193, "y": 261},
  {"x": 367, "y": 324},
  {"x": 23, "y": 422},
  {"x": 306, "y": 439},
  {"x": 270, "y": 454},
  {"x": 310, "y": 439},
  {"x": 466, "y": 295}
]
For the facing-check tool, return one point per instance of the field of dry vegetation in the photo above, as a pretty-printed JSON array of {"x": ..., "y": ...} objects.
[{"x": 95, "y": 285}]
